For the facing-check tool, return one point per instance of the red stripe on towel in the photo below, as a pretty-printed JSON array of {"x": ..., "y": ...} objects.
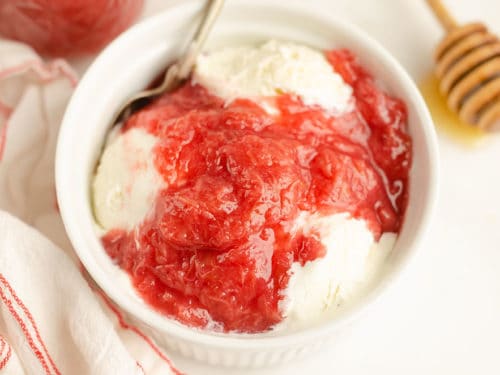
[
  {"x": 29, "y": 316},
  {"x": 125, "y": 325},
  {"x": 31, "y": 343},
  {"x": 3, "y": 138},
  {"x": 5, "y": 360},
  {"x": 5, "y": 110},
  {"x": 2, "y": 339}
]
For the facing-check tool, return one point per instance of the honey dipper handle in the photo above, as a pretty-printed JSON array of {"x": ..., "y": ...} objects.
[{"x": 442, "y": 14}]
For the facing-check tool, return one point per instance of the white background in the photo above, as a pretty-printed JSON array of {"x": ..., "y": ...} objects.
[{"x": 443, "y": 314}]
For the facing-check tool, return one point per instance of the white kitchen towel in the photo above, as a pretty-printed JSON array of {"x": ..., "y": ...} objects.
[{"x": 51, "y": 321}]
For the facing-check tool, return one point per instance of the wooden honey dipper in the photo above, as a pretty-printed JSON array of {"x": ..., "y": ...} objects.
[{"x": 468, "y": 68}]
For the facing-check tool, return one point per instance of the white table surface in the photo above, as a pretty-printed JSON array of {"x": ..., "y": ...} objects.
[{"x": 443, "y": 314}]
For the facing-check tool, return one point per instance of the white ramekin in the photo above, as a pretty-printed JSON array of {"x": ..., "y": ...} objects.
[{"x": 132, "y": 61}]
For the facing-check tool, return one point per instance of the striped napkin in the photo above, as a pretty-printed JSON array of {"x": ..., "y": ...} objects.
[{"x": 51, "y": 320}]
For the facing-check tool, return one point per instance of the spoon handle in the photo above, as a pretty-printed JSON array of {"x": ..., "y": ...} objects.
[
  {"x": 442, "y": 14},
  {"x": 209, "y": 16},
  {"x": 179, "y": 71}
]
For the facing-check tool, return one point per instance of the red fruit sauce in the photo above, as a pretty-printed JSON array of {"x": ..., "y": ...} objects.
[
  {"x": 66, "y": 27},
  {"x": 219, "y": 238}
]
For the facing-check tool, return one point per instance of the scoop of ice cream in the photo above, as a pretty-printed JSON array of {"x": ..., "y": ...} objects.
[
  {"x": 126, "y": 181},
  {"x": 351, "y": 261},
  {"x": 272, "y": 69}
]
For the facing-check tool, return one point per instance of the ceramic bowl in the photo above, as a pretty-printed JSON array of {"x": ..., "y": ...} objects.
[{"x": 133, "y": 60}]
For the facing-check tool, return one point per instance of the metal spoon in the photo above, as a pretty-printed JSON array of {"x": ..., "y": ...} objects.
[{"x": 177, "y": 72}]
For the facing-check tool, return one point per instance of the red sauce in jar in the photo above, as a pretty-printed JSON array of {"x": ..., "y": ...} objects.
[
  {"x": 218, "y": 244},
  {"x": 66, "y": 27}
]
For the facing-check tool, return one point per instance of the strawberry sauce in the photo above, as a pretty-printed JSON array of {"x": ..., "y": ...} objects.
[{"x": 219, "y": 242}]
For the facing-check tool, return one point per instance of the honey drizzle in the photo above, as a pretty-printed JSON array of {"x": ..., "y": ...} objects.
[{"x": 445, "y": 120}]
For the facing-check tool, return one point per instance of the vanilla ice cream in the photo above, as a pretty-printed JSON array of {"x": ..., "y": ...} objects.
[
  {"x": 256, "y": 72},
  {"x": 127, "y": 182},
  {"x": 352, "y": 260}
]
